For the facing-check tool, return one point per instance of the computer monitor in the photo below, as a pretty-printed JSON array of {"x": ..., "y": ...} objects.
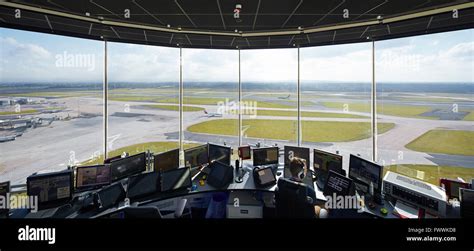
[
  {"x": 92, "y": 176},
  {"x": 166, "y": 160},
  {"x": 365, "y": 172},
  {"x": 142, "y": 184},
  {"x": 196, "y": 156},
  {"x": 219, "y": 153},
  {"x": 244, "y": 152},
  {"x": 112, "y": 159},
  {"x": 323, "y": 163},
  {"x": 294, "y": 151},
  {"x": 175, "y": 179},
  {"x": 220, "y": 175},
  {"x": 337, "y": 184},
  {"x": 128, "y": 166},
  {"x": 265, "y": 156},
  {"x": 4, "y": 190},
  {"x": 467, "y": 203},
  {"x": 52, "y": 189},
  {"x": 110, "y": 195},
  {"x": 452, "y": 187}
]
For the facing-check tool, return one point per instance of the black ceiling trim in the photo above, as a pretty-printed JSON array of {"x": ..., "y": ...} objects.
[
  {"x": 147, "y": 12},
  {"x": 256, "y": 14},
  {"x": 102, "y": 7},
  {"x": 55, "y": 23},
  {"x": 56, "y": 4},
  {"x": 185, "y": 14},
  {"x": 292, "y": 13},
  {"x": 373, "y": 8},
  {"x": 220, "y": 12},
  {"x": 49, "y": 23},
  {"x": 331, "y": 11}
]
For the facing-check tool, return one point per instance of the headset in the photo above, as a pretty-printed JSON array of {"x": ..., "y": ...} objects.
[{"x": 301, "y": 174}]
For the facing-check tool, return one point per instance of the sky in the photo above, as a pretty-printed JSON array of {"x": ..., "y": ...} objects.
[{"x": 35, "y": 57}]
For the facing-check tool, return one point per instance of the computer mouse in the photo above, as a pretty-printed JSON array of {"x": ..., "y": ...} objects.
[{"x": 278, "y": 173}]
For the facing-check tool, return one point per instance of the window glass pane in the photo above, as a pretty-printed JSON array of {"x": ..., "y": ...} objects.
[
  {"x": 211, "y": 94},
  {"x": 336, "y": 99},
  {"x": 269, "y": 95},
  {"x": 425, "y": 86},
  {"x": 143, "y": 95},
  {"x": 50, "y": 102}
]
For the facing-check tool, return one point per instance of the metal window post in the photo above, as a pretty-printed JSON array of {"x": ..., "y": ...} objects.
[
  {"x": 240, "y": 105},
  {"x": 374, "y": 107},
  {"x": 181, "y": 135},
  {"x": 105, "y": 94},
  {"x": 298, "y": 90}
]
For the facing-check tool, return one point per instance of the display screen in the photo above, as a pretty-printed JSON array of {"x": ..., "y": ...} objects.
[
  {"x": 454, "y": 193},
  {"x": 128, "y": 166},
  {"x": 90, "y": 176},
  {"x": 265, "y": 156},
  {"x": 142, "y": 184},
  {"x": 219, "y": 153},
  {"x": 324, "y": 161},
  {"x": 266, "y": 176},
  {"x": 111, "y": 195},
  {"x": 50, "y": 187},
  {"x": 167, "y": 160},
  {"x": 176, "y": 179},
  {"x": 244, "y": 152},
  {"x": 364, "y": 171},
  {"x": 299, "y": 152},
  {"x": 4, "y": 188},
  {"x": 197, "y": 156},
  {"x": 337, "y": 184}
]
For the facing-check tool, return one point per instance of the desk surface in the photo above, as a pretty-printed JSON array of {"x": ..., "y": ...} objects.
[{"x": 246, "y": 184}]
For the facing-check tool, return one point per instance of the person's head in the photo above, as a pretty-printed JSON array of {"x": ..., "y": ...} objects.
[{"x": 298, "y": 168}]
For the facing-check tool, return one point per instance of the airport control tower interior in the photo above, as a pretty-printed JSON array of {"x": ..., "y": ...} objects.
[{"x": 250, "y": 109}]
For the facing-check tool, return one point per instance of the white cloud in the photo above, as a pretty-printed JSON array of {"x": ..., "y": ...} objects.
[
  {"x": 269, "y": 65},
  {"x": 409, "y": 65},
  {"x": 353, "y": 66},
  {"x": 461, "y": 50},
  {"x": 10, "y": 45},
  {"x": 408, "y": 62},
  {"x": 32, "y": 62}
]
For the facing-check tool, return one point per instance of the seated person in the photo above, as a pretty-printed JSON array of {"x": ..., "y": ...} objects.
[{"x": 298, "y": 170}]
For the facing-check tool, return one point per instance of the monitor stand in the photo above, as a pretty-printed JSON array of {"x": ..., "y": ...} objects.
[
  {"x": 321, "y": 180},
  {"x": 239, "y": 174}
]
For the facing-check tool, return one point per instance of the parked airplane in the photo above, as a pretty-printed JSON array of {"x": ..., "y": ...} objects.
[
  {"x": 210, "y": 115},
  {"x": 287, "y": 97},
  {"x": 7, "y": 138}
]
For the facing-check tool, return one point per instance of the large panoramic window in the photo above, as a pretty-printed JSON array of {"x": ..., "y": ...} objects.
[
  {"x": 50, "y": 103},
  {"x": 211, "y": 94},
  {"x": 143, "y": 107},
  {"x": 425, "y": 86},
  {"x": 269, "y": 97},
  {"x": 336, "y": 99}
]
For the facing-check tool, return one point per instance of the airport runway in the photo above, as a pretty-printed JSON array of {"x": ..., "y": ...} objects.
[{"x": 63, "y": 142}]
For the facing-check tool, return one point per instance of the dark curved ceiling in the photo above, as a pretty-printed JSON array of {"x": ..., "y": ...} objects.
[{"x": 262, "y": 24}]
